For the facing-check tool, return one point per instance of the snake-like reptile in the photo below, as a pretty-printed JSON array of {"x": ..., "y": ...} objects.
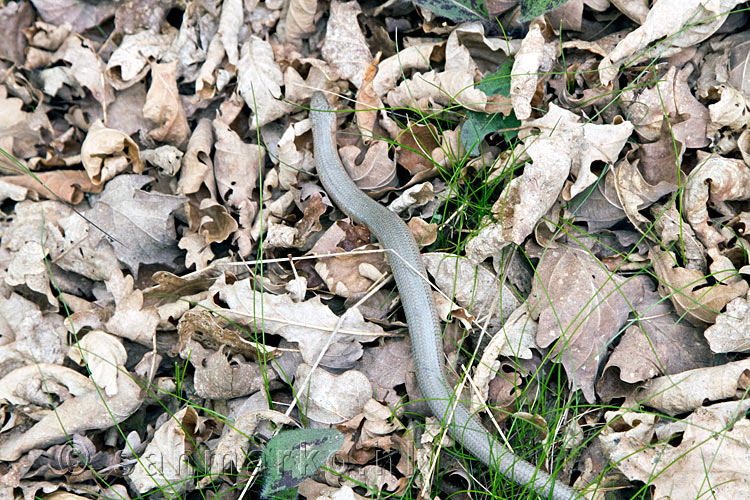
[{"x": 421, "y": 315}]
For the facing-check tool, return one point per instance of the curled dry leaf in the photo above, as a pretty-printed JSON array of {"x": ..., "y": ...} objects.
[
  {"x": 140, "y": 223},
  {"x": 88, "y": 410},
  {"x": 342, "y": 273},
  {"x": 259, "y": 81},
  {"x": 300, "y": 20},
  {"x": 690, "y": 291},
  {"x": 222, "y": 375},
  {"x": 375, "y": 172},
  {"x": 658, "y": 343},
  {"x": 64, "y": 185},
  {"x": 686, "y": 391},
  {"x": 731, "y": 332},
  {"x": 668, "y": 19},
  {"x": 197, "y": 167},
  {"x": 706, "y": 454},
  {"x": 670, "y": 99},
  {"x": 715, "y": 181},
  {"x": 130, "y": 320},
  {"x": 128, "y": 64},
  {"x": 328, "y": 398},
  {"x": 27, "y": 335},
  {"x": 390, "y": 70},
  {"x": 166, "y": 467},
  {"x": 473, "y": 287},
  {"x": 105, "y": 356},
  {"x": 164, "y": 108},
  {"x": 534, "y": 59},
  {"x": 106, "y": 152}
]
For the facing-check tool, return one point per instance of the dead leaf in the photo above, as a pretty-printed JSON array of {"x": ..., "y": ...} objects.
[
  {"x": 259, "y": 81},
  {"x": 139, "y": 222},
  {"x": 130, "y": 319},
  {"x": 308, "y": 323},
  {"x": 331, "y": 399},
  {"x": 104, "y": 356},
  {"x": 106, "y": 152},
  {"x": 706, "y": 454},
  {"x": 715, "y": 181},
  {"x": 14, "y": 18},
  {"x": 668, "y": 19},
  {"x": 658, "y": 343},
  {"x": 581, "y": 308},
  {"x": 344, "y": 46},
  {"x": 164, "y": 108},
  {"x": 375, "y": 171},
  {"x": 731, "y": 332},
  {"x": 65, "y": 185},
  {"x": 670, "y": 99},
  {"x": 28, "y": 335},
  {"x": 533, "y": 61},
  {"x": 690, "y": 291},
  {"x": 164, "y": 465}
]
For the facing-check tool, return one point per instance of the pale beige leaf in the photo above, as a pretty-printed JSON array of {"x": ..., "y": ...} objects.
[
  {"x": 704, "y": 455},
  {"x": 106, "y": 152},
  {"x": 139, "y": 222},
  {"x": 300, "y": 20},
  {"x": 86, "y": 67},
  {"x": 714, "y": 181},
  {"x": 163, "y": 106},
  {"x": 689, "y": 290},
  {"x": 129, "y": 62},
  {"x": 88, "y": 410},
  {"x": 342, "y": 274},
  {"x": 259, "y": 81},
  {"x": 28, "y": 336},
  {"x": 375, "y": 172},
  {"x": 130, "y": 320},
  {"x": 731, "y": 110},
  {"x": 344, "y": 46},
  {"x": 731, "y": 332},
  {"x": 65, "y": 185},
  {"x": 581, "y": 308},
  {"x": 473, "y": 287},
  {"x": 162, "y": 464},
  {"x": 671, "y": 98},
  {"x": 104, "y": 356},
  {"x": 331, "y": 399},
  {"x": 391, "y": 69},
  {"x": 197, "y": 167},
  {"x": 535, "y": 57},
  {"x": 308, "y": 323},
  {"x": 667, "y": 18}
]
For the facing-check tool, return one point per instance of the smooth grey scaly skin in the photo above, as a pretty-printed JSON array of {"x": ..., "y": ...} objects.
[{"x": 421, "y": 315}]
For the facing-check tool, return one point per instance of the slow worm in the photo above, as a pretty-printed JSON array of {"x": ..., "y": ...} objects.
[{"x": 421, "y": 315}]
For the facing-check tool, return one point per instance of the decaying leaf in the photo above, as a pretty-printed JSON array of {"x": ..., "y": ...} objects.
[
  {"x": 331, "y": 399},
  {"x": 715, "y": 181},
  {"x": 690, "y": 291},
  {"x": 309, "y": 323},
  {"x": 345, "y": 46},
  {"x": 106, "y": 152},
  {"x": 731, "y": 332},
  {"x": 163, "y": 463},
  {"x": 706, "y": 454},
  {"x": 139, "y": 222},
  {"x": 580, "y": 307}
]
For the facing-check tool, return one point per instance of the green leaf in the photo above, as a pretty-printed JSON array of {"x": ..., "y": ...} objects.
[
  {"x": 497, "y": 82},
  {"x": 478, "y": 125},
  {"x": 292, "y": 456},
  {"x": 456, "y": 10},
  {"x": 535, "y": 8}
]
